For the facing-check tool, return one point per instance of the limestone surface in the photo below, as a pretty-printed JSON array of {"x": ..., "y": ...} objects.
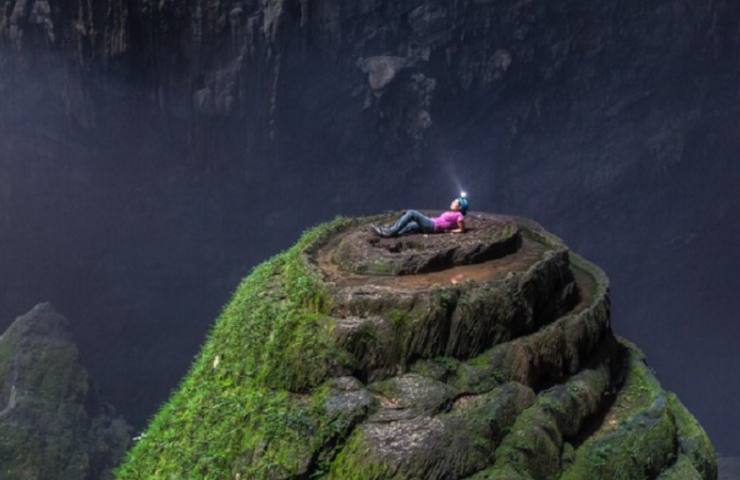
[{"x": 482, "y": 355}]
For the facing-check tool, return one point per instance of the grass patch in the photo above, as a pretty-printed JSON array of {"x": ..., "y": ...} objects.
[{"x": 245, "y": 408}]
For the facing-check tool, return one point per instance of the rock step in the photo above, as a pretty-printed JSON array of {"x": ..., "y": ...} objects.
[
  {"x": 563, "y": 346},
  {"x": 534, "y": 446},
  {"x": 643, "y": 433},
  {"x": 682, "y": 469},
  {"x": 556, "y": 350},
  {"x": 611, "y": 419},
  {"x": 417, "y": 414},
  {"x": 319, "y": 257},
  {"x": 448, "y": 445},
  {"x": 386, "y": 330},
  {"x": 362, "y": 252},
  {"x": 693, "y": 441},
  {"x": 421, "y": 427}
]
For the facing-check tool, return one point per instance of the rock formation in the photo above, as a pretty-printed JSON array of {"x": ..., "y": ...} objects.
[
  {"x": 210, "y": 108},
  {"x": 437, "y": 356},
  {"x": 52, "y": 426}
]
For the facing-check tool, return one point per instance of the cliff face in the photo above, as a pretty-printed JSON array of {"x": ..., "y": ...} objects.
[
  {"x": 389, "y": 72},
  {"x": 51, "y": 424},
  {"x": 179, "y": 117},
  {"x": 492, "y": 364}
]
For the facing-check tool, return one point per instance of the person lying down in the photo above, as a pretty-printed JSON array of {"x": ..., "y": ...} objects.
[{"x": 413, "y": 221}]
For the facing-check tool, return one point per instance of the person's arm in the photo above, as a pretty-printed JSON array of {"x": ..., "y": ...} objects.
[{"x": 460, "y": 226}]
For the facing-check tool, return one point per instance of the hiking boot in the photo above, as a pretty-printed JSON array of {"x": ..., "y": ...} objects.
[
  {"x": 382, "y": 231},
  {"x": 378, "y": 230}
]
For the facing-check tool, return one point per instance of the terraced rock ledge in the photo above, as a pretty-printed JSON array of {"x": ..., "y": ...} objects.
[{"x": 484, "y": 355}]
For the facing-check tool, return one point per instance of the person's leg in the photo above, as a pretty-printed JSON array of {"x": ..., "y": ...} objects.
[
  {"x": 411, "y": 227},
  {"x": 426, "y": 224},
  {"x": 402, "y": 221}
]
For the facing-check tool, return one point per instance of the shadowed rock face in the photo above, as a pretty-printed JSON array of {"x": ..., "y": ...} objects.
[
  {"x": 51, "y": 424},
  {"x": 493, "y": 368}
]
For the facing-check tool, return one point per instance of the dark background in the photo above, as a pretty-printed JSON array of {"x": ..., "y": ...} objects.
[{"x": 152, "y": 153}]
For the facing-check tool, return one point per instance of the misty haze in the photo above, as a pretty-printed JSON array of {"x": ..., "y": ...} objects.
[{"x": 152, "y": 154}]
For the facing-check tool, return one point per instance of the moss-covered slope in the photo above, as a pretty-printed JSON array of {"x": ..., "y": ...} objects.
[{"x": 501, "y": 366}]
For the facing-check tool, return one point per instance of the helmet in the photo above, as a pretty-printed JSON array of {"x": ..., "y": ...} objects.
[{"x": 463, "y": 201}]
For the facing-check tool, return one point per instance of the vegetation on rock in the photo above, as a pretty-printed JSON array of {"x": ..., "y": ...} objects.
[
  {"x": 501, "y": 368},
  {"x": 51, "y": 423}
]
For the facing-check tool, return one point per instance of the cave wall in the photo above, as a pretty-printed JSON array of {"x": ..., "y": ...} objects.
[{"x": 151, "y": 152}]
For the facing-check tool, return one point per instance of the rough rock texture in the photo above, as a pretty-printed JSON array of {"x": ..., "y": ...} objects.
[
  {"x": 364, "y": 252},
  {"x": 51, "y": 424},
  {"x": 505, "y": 368},
  {"x": 147, "y": 128}
]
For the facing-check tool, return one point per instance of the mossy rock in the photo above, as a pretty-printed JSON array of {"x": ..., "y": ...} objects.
[
  {"x": 504, "y": 368},
  {"x": 643, "y": 433},
  {"x": 52, "y": 425}
]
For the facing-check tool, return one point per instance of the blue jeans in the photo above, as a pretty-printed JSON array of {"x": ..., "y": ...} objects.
[{"x": 412, "y": 221}]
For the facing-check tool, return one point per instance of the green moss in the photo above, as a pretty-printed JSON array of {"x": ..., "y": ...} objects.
[
  {"x": 403, "y": 330},
  {"x": 243, "y": 408},
  {"x": 47, "y": 429},
  {"x": 637, "y": 437},
  {"x": 56, "y": 385},
  {"x": 405, "y": 326},
  {"x": 501, "y": 472},
  {"x": 353, "y": 462},
  {"x": 336, "y": 431},
  {"x": 536, "y": 441},
  {"x": 683, "y": 469},
  {"x": 694, "y": 441},
  {"x": 478, "y": 374},
  {"x": 6, "y": 351},
  {"x": 253, "y": 403}
]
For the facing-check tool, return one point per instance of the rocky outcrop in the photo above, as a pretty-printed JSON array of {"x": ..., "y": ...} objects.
[
  {"x": 51, "y": 424},
  {"x": 217, "y": 107},
  {"x": 394, "y": 65},
  {"x": 489, "y": 368}
]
